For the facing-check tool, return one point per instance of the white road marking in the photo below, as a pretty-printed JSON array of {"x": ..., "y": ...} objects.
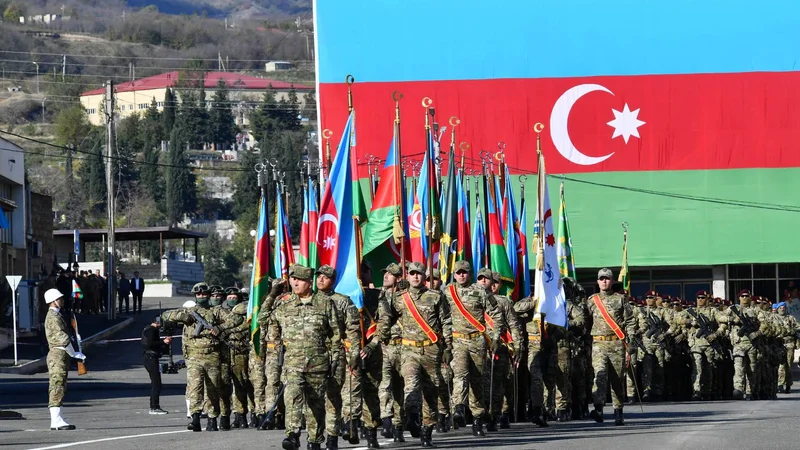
[{"x": 72, "y": 444}]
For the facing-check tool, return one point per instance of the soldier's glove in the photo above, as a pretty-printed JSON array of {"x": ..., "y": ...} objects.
[
  {"x": 355, "y": 361},
  {"x": 754, "y": 335},
  {"x": 496, "y": 344},
  {"x": 277, "y": 287},
  {"x": 216, "y": 331},
  {"x": 403, "y": 284},
  {"x": 447, "y": 355},
  {"x": 335, "y": 368},
  {"x": 368, "y": 349}
]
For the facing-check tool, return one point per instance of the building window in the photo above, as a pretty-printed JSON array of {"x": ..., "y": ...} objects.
[
  {"x": 160, "y": 104},
  {"x": 91, "y": 111},
  {"x": 142, "y": 105},
  {"x": 5, "y": 234},
  {"x": 767, "y": 280}
]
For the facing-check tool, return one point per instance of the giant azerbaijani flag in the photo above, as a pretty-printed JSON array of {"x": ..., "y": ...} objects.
[{"x": 681, "y": 118}]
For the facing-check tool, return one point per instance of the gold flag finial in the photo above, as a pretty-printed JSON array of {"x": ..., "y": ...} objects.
[
  {"x": 349, "y": 80},
  {"x": 397, "y": 96},
  {"x": 426, "y": 103}
]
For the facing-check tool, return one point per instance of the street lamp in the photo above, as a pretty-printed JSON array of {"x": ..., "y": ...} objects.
[
  {"x": 37, "y": 76},
  {"x": 43, "y": 108}
]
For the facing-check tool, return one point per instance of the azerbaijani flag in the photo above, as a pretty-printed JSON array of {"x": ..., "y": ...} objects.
[
  {"x": 463, "y": 233},
  {"x": 336, "y": 235},
  {"x": 479, "y": 257},
  {"x": 450, "y": 206},
  {"x": 259, "y": 281},
  {"x": 303, "y": 256},
  {"x": 428, "y": 197},
  {"x": 313, "y": 223},
  {"x": 383, "y": 233},
  {"x": 511, "y": 225},
  {"x": 552, "y": 302},
  {"x": 76, "y": 289},
  {"x": 415, "y": 233},
  {"x": 284, "y": 254},
  {"x": 524, "y": 269},
  {"x": 498, "y": 259},
  {"x": 566, "y": 259}
]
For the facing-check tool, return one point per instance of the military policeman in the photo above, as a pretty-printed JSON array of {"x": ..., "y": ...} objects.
[{"x": 60, "y": 344}]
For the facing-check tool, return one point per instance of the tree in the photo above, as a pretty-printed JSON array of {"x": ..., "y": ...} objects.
[
  {"x": 181, "y": 196},
  {"x": 214, "y": 262},
  {"x": 310, "y": 109},
  {"x": 92, "y": 173},
  {"x": 129, "y": 142},
  {"x": 222, "y": 127},
  {"x": 13, "y": 12},
  {"x": 71, "y": 128},
  {"x": 151, "y": 174},
  {"x": 168, "y": 116}
]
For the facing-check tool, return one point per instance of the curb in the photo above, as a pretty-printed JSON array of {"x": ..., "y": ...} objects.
[{"x": 37, "y": 365}]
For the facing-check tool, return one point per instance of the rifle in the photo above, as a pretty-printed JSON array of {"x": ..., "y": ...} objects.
[
  {"x": 269, "y": 417},
  {"x": 200, "y": 324},
  {"x": 656, "y": 329},
  {"x": 747, "y": 322},
  {"x": 704, "y": 329},
  {"x": 637, "y": 342},
  {"x": 81, "y": 364}
]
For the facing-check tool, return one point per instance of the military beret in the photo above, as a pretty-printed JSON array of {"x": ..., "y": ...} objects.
[
  {"x": 651, "y": 294},
  {"x": 462, "y": 265},
  {"x": 485, "y": 272},
  {"x": 744, "y": 292},
  {"x": 328, "y": 271},
  {"x": 605, "y": 272},
  {"x": 496, "y": 277},
  {"x": 393, "y": 269},
  {"x": 302, "y": 272},
  {"x": 701, "y": 293},
  {"x": 416, "y": 267}
]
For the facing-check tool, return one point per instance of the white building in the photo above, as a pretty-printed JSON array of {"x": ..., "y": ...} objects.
[{"x": 13, "y": 207}]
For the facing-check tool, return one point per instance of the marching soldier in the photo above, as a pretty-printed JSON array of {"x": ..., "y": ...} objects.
[
  {"x": 576, "y": 316},
  {"x": 704, "y": 344},
  {"x": 610, "y": 355},
  {"x": 303, "y": 322},
  {"x": 217, "y": 301},
  {"x": 58, "y": 340},
  {"x": 506, "y": 359},
  {"x": 789, "y": 340},
  {"x": 391, "y": 387},
  {"x": 470, "y": 305},
  {"x": 203, "y": 357},
  {"x": 269, "y": 416},
  {"x": 239, "y": 340},
  {"x": 651, "y": 320},
  {"x": 578, "y": 334},
  {"x": 745, "y": 331},
  {"x": 424, "y": 317}
]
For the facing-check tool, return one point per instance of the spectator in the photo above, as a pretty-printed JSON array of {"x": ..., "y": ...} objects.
[
  {"x": 124, "y": 292},
  {"x": 137, "y": 290}
]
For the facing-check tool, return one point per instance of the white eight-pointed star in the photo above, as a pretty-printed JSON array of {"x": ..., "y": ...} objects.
[
  {"x": 626, "y": 123},
  {"x": 329, "y": 243}
]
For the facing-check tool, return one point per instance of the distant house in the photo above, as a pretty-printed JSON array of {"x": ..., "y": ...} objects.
[
  {"x": 136, "y": 96},
  {"x": 275, "y": 66}
]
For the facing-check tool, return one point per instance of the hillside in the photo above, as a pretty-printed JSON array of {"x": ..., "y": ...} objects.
[{"x": 240, "y": 9}]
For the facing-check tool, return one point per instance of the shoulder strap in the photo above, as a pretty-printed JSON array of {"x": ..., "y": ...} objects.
[
  {"x": 463, "y": 310},
  {"x": 412, "y": 309},
  {"x": 607, "y": 317}
]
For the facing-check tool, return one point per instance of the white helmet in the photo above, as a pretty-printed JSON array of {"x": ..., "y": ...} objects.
[
  {"x": 189, "y": 304},
  {"x": 52, "y": 295}
]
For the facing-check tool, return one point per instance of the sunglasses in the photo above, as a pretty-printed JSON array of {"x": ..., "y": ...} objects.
[
  {"x": 744, "y": 295},
  {"x": 650, "y": 296},
  {"x": 701, "y": 297}
]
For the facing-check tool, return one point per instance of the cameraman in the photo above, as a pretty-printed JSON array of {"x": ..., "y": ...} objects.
[{"x": 154, "y": 347}]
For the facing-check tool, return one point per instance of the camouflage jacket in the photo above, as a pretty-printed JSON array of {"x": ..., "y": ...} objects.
[
  {"x": 647, "y": 318},
  {"x": 617, "y": 308},
  {"x": 477, "y": 302},
  {"x": 577, "y": 314},
  {"x": 239, "y": 336},
  {"x": 305, "y": 328},
  {"x": 348, "y": 322},
  {"x": 791, "y": 329},
  {"x": 385, "y": 300},
  {"x": 55, "y": 329},
  {"x": 525, "y": 309},
  {"x": 735, "y": 325},
  {"x": 717, "y": 321},
  {"x": 433, "y": 308},
  {"x": 510, "y": 321},
  {"x": 205, "y": 342}
]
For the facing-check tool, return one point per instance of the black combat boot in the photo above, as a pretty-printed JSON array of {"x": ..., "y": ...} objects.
[
  {"x": 564, "y": 415},
  {"x": 261, "y": 422},
  {"x": 647, "y": 395},
  {"x": 332, "y": 443},
  {"x": 440, "y": 426},
  {"x": 386, "y": 423},
  {"x": 194, "y": 425},
  {"x": 504, "y": 422},
  {"x": 491, "y": 424},
  {"x": 618, "y": 421},
  {"x": 314, "y": 446},
  {"x": 268, "y": 421},
  {"x": 225, "y": 423},
  {"x": 413, "y": 424},
  {"x": 363, "y": 430},
  {"x": 280, "y": 421},
  {"x": 448, "y": 422},
  {"x": 459, "y": 418},
  {"x": 398, "y": 434},
  {"x": 426, "y": 438},
  {"x": 597, "y": 414},
  {"x": 211, "y": 425},
  {"x": 291, "y": 442},
  {"x": 477, "y": 426},
  {"x": 243, "y": 420},
  {"x": 353, "y": 438},
  {"x": 254, "y": 420},
  {"x": 538, "y": 416},
  {"x": 372, "y": 438},
  {"x": 237, "y": 421}
]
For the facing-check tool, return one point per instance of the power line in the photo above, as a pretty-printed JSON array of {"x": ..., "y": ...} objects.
[{"x": 154, "y": 58}]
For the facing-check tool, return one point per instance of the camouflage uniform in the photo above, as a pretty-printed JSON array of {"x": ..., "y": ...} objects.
[
  {"x": 608, "y": 350},
  {"x": 391, "y": 387},
  {"x": 705, "y": 350},
  {"x": 789, "y": 340},
  {"x": 502, "y": 396},
  {"x": 239, "y": 339},
  {"x": 652, "y": 320},
  {"x": 745, "y": 352},
  {"x": 581, "y": 362},
  {"x": 304, "y": 325},
  {"x": 541, "y": 355},
  {"x": 57, "y": 333},
  {"x": 564, "y": 395},
  {"x": 267, "y": 382},
  {"x": 225, "y": 388},
  {"x": 470, "y": 343},
  {"x": 203, "y": 355},
  {"x": 420, "y": 358}
]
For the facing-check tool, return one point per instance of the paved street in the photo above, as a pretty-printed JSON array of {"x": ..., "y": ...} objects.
[{"x": 110, "y": 404}]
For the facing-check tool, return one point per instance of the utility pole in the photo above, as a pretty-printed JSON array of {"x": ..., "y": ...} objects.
[
  {"x": 37, "y": 76},
  {"x": 63, "y": 60},
  {"x": 110, "y": 199},
  {"x": 43, "y": 108}
]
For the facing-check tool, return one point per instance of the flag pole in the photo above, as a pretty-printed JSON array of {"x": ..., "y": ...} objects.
[
  {"x": 399, "y": 226},
  {"x": 539, "y": 238},
  {"x": 426, "y": 104}
]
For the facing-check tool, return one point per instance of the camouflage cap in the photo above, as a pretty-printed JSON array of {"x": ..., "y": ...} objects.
[
  {"x": 496, "y": 277},
  {"x": 416, "y": 267},
  {"x": 486, "y": 273},
  {"x": 328, "y": 271},
  {"x": 436, "y": 274},
  {"x": 462, "y": 265},
  {"x": 302, "y": 272},
  {"x": 393, "y": 269},
  {"x": 605, "y": 272}
]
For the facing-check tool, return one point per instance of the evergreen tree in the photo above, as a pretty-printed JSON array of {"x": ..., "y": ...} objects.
[
  {"x": 181, "y": 196},
  {"x": 214, "y": 262},
  {"x": 310, "y": 106},
  {"x": 247, "y": 193},
  {"x": 92, "y": 173},
  {"x": 222, "y": 126},
  {"x": 129, "y": 140},
  {"x": 151, "y": 174},
  {"x": 168, "y": 116}
]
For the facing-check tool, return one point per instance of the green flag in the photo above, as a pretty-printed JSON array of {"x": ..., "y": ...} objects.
[
  {"x": 566, "y": 257},
  {"x": 623, "y": 272}
]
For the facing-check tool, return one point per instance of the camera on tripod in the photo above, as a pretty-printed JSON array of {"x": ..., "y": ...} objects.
[{"x": 173, "y": 367}]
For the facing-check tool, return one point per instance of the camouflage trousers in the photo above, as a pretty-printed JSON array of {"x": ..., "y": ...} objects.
[
  {"x": 256, "y": 401},
  {"x": 540, "y": 362},
  {"x": 333, "y": 398},
  {"x": 242, "y": 389},
  {"x": 225, "y": 388},
  {"x": 390, "y": 390},
  {"x": 202, "y": 371},
  {"x": 559, "y": 379},
  {"x": 420, "y": 368},
  {"x": 785, "y": 369},
  {"x": 305, "y": 392},
  {"x": 272, "y": 381},
  {"x": 57, "y": 370},
  {"x": 577, "y": 375},
  {"x": 444, "y": 384},
  {"x": 361, "y": 389},
  {"x": 501, "y": 389},
  {"x": 653, "y": 370},
  {"x": 704, "y": 363},
  {"x": 469, "y": 378},
  {"x": 608, "y": 363}
]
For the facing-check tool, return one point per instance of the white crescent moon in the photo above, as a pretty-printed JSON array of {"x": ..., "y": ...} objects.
[
  {"x": 326, "y": 218},
  {"x": 558, "y": 125}
]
